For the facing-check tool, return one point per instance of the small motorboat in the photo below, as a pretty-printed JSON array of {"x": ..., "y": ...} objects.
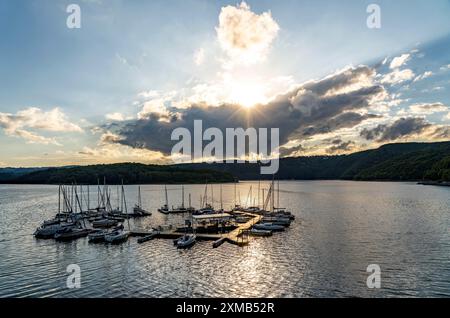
[
  {"x": 117, "y": 236},
  {"x": 277, "y": 220},
  {"x": 149, "y": 237},
  {"x": 242, "y": 219},
  {"x": 269, "y": 227},
  {"x": 186, "y": 240},
  {"x": 256, "y": 232}
]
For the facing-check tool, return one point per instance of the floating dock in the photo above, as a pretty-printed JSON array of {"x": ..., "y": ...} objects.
[{"x": 237, "y": 236}]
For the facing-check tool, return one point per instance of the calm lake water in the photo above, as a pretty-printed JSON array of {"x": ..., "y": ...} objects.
[{"x": 341, "y": 228}]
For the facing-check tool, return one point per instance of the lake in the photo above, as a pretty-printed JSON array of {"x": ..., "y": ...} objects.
[{"x": 340, "y": 228}]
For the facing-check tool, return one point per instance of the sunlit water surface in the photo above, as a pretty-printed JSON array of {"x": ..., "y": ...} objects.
[{"x": 341, "y": 228}]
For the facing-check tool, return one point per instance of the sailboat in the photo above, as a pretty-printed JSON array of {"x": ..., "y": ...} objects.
[
  {"x": 119, "y": 235},
  {"x": 73, "y": 232},
  {"x": 138, "y": 210},
  {"x": 165, "y": 208},
  {"x": 62, "y": 220}
]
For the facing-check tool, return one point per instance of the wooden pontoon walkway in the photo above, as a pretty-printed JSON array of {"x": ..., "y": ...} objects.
[{"x": 235, "y": 237}]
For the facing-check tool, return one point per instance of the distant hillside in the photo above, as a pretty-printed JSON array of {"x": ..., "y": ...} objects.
[
  {"x": 131, "y": 173},
  {"x": 393, "y": 162},
  {"x": 396, "y": 162}
]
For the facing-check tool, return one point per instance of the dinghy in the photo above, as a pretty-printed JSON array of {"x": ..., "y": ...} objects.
[
  {"x": 186, "y": 240},
  {"x": 149, "y": 237},
  {"x": 256, "y": 232},
  {"x": 269, "y": 227}
]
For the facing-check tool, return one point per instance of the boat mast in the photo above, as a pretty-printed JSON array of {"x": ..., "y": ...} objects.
[
  {"x": 89, "y": 198},
  {"x": 212, "y": 195},
  {"x": 190, "y": 205},
  {"x": 167, "y": 197},
  {"x": 59, "y": 200},
  {"x": 235, "y": 202},
  {"x": 259, "y": 190},
  {"x": 125, "y": 204},
  {"x": 221, "y": 201},
  {"x": 273, "y": 195},
  {"x": 182, "y": 196},
  {"x": 278, "y": 193}
]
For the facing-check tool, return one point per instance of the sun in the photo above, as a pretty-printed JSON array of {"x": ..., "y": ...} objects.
[{"x": 247, "y": 94}]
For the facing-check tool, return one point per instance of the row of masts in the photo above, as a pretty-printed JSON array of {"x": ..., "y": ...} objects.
[
  {"x": 261, "y": 201},
  {"x": 76, "y": 198}
]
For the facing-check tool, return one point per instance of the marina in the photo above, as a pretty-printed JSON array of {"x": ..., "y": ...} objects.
[{"x": 105, "y": 224}]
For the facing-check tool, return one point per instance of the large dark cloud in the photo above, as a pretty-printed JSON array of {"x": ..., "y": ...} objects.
[
  {"x": 315, "y": 107},
  {"x": 400, "y": 128}
]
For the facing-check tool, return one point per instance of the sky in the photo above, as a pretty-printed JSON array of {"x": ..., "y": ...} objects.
[{"x": 114, "y": 89}]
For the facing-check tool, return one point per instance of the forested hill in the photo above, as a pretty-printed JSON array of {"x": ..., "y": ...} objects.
[
  {"x": 130, "y": 173},
  {"x": 395, "y": 162}
]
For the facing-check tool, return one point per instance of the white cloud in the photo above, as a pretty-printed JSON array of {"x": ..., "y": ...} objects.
[
  {"x": 199, "y": 56},
  {"x": 399, "y": 61},
  {"x": 34, "y": 118},
  {"x": 398, "y": 76},
  {"x": 117, "y": 117},
  {"x": 244, "y": 35},
  {"x": 428, "y": 108},
  {"x": 445, "y": 67},
  {"x": 423, "y": 76}
]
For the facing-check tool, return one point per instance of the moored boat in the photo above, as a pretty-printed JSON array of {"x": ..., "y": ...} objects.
[
  {"x": 256, "y": 232},
  {"x": 186, "y": 240},
  {"x": 117, "y": 236},
  {"x": 269, "y": 227},
  {"x": 70, "y": 234}
]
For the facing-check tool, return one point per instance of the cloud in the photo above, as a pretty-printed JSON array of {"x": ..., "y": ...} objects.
[
  {"x": 340, "y": 146},
  {"x": 115, "y": 117},
  {"x": 399, "y": 61},
  {"x": 401, "y": 128},
  {"x": 34, "y": 118},
  {"x": 428, "y": 108},
  {"x": 291, "y": 151},
  {"x": 315, "y": 107},
  {"x": 398, "y": 76},
  {"x": 423, "y": 76},
  {"x": 244, "y": 35},
  {"x": 199, "y": 56}
]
